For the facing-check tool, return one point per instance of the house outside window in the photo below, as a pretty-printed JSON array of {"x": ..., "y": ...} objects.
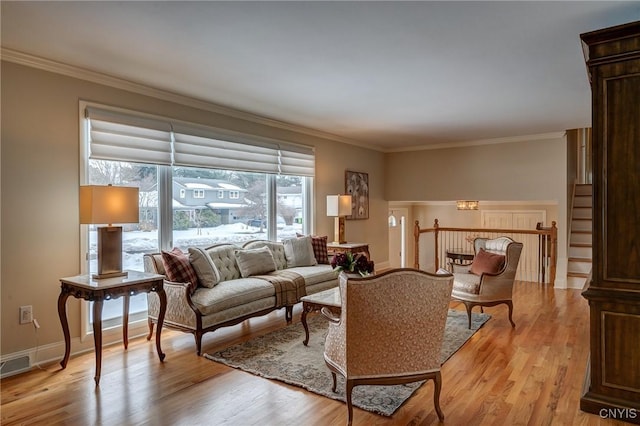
[
  {"x": 198, "y": 193},
  {"x": 234, "y": 195},
  {"x": 220, "y": 194},
  {"x": 183, "y": 193}
]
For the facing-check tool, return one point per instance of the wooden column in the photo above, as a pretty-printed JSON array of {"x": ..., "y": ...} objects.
[{"x": 612, "y": 386}]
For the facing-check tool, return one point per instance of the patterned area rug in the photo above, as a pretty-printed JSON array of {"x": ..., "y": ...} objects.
[{"x": 280, "y": 355}]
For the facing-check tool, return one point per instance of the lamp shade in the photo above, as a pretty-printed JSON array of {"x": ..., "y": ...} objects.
[
  {"x": 338, "y": 205},
  {"x": 108, "y": 204}
]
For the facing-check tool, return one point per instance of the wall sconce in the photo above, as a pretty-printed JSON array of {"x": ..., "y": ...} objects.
[
  {"x": 393, "y": 222},
  {"x": 467, "y": 205},
  {"x": 109, "y": 205},
  {"x": 338, "y": 206}
]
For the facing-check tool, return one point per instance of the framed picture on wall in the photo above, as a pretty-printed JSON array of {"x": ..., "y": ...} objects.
[{"x": 356, "y": 184}]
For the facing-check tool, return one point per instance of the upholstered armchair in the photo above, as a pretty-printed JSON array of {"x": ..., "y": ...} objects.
[
  {"x": 488, "y": 280},
  {"x": 389, "y": 331}
]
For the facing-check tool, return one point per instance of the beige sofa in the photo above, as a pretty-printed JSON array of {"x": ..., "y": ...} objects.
[{"x": 235, "y": 298}]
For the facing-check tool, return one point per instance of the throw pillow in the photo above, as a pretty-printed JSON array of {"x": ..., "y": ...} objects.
[
  {"x": 206, "y": 270},
  {"x": 255, "y": 261},
  {"x": 179, "y": 269},
  {"x": 487, "y": 262},
  {"x": 299, "y": 252},
  {"x": 320, "y": 251}
]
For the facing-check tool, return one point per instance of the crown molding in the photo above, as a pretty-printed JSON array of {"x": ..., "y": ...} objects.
[
  {"x": 49, "y": 65},
  {"x": 510, "y": 139},
  {"x": 481, "y": 203}
]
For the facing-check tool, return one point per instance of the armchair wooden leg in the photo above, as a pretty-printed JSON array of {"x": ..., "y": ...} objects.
[
  {"x": 348, "y": 390},
  {"x": 469, "y": 306},
  {"x": 510, "y": 305},
  {"x": 436, "y": 395}
]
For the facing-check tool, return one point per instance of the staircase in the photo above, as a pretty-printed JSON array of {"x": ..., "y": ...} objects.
[{"x": 580, "y": 250}]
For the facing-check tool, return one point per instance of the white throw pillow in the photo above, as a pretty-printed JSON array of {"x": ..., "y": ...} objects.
[
  {"x": 208, "y": 274},
  {"x": 255, "y": 261},
  {"x": 299, "y": 252}
]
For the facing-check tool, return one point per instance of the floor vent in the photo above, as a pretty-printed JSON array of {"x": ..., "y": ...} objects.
[{"x": 15, "y": 366}]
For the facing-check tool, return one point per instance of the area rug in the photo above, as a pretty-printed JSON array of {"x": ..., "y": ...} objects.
[{"x": 280, "y": 355}]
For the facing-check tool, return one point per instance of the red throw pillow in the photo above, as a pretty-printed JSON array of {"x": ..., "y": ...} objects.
[
  {"x": 320, "y": 251},
  {"x": 179, "y": 269},
  {"x": 487, "y": 262}
]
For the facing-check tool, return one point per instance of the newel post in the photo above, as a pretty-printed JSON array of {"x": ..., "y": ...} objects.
[
  {"x": 554, "y": 251},
  {"x": 435, "y": 227},
  {"x": 416, "y": 237}
]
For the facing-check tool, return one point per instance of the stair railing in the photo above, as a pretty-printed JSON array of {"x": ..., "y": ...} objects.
[{"x": 538, "y": 260}]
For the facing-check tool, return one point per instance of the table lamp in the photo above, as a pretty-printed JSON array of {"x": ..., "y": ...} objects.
[
  {"x": 109, "y": 205},
  {"x": 338, "y": 206}
]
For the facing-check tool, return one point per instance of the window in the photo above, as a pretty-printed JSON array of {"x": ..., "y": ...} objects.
[{"x": 162, "y": 157}]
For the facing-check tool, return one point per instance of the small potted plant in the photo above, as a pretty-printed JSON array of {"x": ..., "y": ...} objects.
[{"x": 352, "y": 263}]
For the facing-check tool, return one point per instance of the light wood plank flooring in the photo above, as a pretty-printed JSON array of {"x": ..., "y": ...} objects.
[{"x": 530, "y": 375}]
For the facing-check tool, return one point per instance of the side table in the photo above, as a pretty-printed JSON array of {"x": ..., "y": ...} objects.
[
  {"x": 97, "y": 291},
  {"x": 315, "y": 302},
  {"x": 459, "y": 256},
  {"x": 333, "y": 248}
]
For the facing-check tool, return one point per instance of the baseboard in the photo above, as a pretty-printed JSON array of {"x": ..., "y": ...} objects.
[
  {"x": 382, "y": 266},
  {"x": 28, "y": 359}
]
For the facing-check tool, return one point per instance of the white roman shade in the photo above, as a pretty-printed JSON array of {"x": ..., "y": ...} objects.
[
  {"x": 114, "y": 135},
  {"x": 205, "y": 148},
  {"x": 124, "y": 137}
]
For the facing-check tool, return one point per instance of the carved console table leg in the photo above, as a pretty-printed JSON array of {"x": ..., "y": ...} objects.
[
  {"x": 97, "y": 337},
  {"x": 62, "y": 313},
  {"x": 163, "y": 309}
]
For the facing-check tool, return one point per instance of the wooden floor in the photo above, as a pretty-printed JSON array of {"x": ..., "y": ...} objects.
[{"x": 530, "y": 375}]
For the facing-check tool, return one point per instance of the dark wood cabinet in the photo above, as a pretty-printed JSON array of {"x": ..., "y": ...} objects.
[{"x": 612, "y": 385}]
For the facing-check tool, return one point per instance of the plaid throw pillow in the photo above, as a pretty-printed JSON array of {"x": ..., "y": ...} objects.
[
  {"x": 319, "y": 245},
  {"x": 179, "y": 269}
]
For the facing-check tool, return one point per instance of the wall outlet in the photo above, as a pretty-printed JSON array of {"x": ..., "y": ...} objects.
[{"x": 26, "y": 314}]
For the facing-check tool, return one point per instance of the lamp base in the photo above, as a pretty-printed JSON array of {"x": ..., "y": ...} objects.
[
  {"x": 109, "y": 252},
  {"x": 338, "y": 230},
  {"x": 110, "y": 275}
]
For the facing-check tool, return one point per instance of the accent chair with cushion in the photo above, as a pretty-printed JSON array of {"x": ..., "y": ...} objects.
[
  {"x": 488, "y": 280},
  {"x": 389, "y": 331}
]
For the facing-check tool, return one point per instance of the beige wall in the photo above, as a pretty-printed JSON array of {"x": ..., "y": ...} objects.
[
  {"x": 40, "y": 178},
  {"x": 526, "y": 170}
]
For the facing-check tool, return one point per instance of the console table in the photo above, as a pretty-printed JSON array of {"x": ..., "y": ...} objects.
[
  {"x": 97, "y": 291},
  {"x": 334, "y": 248},
  {"x": 459, "y": 256}
]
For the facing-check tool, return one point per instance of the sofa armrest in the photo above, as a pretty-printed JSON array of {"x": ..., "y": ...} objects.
[{"x": 180, "y": 310}]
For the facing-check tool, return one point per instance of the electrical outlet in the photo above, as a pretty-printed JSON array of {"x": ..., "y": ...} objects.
[{"x": 26, "y": 314}]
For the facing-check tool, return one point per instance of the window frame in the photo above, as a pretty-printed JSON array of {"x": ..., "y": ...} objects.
[{"x": 165, "y": 208}]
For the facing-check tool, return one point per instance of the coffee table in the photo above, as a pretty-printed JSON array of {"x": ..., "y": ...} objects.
[{"x": 315, "y": 302}]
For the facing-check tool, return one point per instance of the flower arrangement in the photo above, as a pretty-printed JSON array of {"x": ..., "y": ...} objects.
[
  {"x": 471, "y": 237},
  {"x": 352, "y": 263}
]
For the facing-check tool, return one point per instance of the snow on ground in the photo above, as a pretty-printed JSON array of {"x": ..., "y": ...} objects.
[{"x": 136, "y": 243}]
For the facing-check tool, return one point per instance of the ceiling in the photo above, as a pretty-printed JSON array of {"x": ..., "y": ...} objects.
[{"x": 390, "y": 75}]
